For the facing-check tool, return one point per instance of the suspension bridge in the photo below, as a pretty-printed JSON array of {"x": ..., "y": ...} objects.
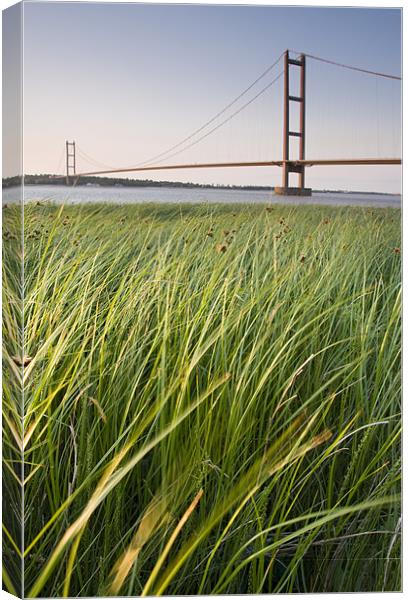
[{"x": 294, "y": 102}]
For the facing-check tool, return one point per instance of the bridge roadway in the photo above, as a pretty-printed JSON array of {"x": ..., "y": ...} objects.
[{"x": 272, "y": 163}]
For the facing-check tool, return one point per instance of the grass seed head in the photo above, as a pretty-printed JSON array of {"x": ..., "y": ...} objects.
[
  {"x": 23, "y": 361},
  {"x": 221, "y": 248}
]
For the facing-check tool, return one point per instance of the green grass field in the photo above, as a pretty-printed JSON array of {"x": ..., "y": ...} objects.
[{"x": 212, "y": 399}]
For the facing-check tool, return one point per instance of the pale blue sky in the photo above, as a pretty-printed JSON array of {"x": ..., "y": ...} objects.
[{"x": 128, "y": 81}]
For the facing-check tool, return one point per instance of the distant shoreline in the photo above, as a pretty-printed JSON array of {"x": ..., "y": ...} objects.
[{"x": 47, "y": 179}]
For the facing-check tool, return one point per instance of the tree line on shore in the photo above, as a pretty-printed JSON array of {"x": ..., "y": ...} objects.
[{"x": 49, "y": 179}]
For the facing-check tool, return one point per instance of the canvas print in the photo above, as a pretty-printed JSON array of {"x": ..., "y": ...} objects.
[{"x": 201, "y": 299}]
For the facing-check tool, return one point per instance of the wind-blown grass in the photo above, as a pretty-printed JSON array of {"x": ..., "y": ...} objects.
[{"x": 212, "y": 399}]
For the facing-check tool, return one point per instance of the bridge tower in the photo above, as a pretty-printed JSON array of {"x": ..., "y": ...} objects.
[
  {"x": 290, "y": 165},
  {"x": 70, "y": 159}
]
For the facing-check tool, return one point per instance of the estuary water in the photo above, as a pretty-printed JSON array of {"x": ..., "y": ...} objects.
[{"x": 129, "y": 195}]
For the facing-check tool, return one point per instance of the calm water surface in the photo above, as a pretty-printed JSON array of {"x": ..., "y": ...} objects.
[{"x": 122, "y": 195}]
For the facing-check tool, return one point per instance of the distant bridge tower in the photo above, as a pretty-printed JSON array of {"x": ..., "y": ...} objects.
[
  {"x": 70, "y": 159},
  {"x": 289, "y": 165}
]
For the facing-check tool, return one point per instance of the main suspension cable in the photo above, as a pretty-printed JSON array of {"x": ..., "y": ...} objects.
[
  {"x": 206, "y": 124},
  {"x": 91, "y": 160},
  {"x": 223, "y": 122},
  {"x": 350, "y": 67},
  {"x": 215, "y": 117}
]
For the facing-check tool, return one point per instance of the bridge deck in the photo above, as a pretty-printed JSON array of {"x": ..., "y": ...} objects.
[{"x": 271, "y": 163}]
